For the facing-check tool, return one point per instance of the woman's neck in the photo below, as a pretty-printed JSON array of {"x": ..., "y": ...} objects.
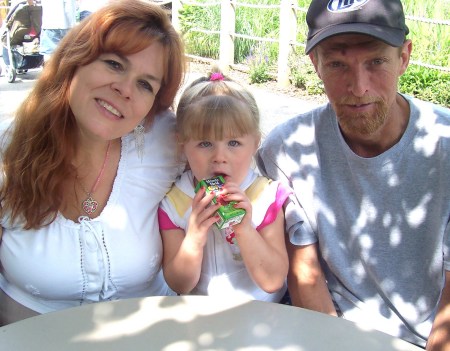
[{"x": 92, "y": 153}]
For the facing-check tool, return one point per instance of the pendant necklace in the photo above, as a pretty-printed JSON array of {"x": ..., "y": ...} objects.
[{"x": 90, "y": 205}]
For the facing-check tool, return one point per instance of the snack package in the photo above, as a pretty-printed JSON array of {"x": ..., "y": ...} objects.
[{"x": 229, "y": 215}]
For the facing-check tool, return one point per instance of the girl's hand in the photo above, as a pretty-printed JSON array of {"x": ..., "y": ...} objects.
[
  {"x": 232, "y": 192},
  {"x": 201, "y": 218}
]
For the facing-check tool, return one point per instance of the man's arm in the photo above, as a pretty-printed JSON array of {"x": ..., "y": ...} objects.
[
  {"x": 306, "y": 281},
  {"x": 439, "y": 339}
]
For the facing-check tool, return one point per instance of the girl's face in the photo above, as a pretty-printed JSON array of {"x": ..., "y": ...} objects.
[
  {"x": 111, "y": 95},
  {"x": 231, "y": 157}
]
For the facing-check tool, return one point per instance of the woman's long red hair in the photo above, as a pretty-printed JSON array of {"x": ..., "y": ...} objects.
[{"x": 41, "y": 144}]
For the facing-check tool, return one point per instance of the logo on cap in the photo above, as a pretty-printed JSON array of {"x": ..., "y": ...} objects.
[{"x": 345, "y": 5}]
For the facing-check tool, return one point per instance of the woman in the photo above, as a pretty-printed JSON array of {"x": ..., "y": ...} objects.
[{"x": 88, "y": 158}]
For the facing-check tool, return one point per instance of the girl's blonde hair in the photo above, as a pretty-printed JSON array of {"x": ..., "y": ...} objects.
[
  {"x": 215, "y": 107},
  {"x": 37, "y": 160}
]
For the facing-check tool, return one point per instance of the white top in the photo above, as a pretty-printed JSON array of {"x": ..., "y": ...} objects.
[
  {"x": 116, "y": 255},
  {"x": 223, "y": 271},
  {"x": 58, "y": 14}
]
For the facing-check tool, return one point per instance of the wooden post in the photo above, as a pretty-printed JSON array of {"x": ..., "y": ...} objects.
[
  {"x": 288, "y": 29},
  {"x": 227, "y": 30},
  {"x": 176, "y": 6}
]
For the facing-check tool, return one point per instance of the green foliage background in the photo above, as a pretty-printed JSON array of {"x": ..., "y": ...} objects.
[{"x": 431, "y": 44}]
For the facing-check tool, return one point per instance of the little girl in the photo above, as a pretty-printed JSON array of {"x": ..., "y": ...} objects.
[{"x": 218, "y": 132}]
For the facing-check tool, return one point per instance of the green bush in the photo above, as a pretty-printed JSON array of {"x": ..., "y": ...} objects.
[
  {"x": 259, "y": 73},
  {"x": 303, "y": 74},
  {"x": 426, "y": 84},
  {"x": 259, "y": 64}
]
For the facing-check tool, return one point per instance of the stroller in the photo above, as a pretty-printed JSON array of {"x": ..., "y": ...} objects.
[{"x": 20, "y": 39}]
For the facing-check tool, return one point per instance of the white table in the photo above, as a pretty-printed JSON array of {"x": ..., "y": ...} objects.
[{"x": 191, "y": 323}]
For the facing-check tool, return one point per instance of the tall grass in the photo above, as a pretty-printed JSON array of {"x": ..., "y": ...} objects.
[
  {"x": 431, "y": 44},
  {"x": 207, "y": 18},
  {"x": 431, "y": 41},
  {"x": 249, "y": 21}
]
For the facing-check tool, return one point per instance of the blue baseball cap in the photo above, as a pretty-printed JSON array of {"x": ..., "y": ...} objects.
[{"x": 382, "y": 19}]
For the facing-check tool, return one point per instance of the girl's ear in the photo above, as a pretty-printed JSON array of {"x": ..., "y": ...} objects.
[{"x": 179, "y": 142}]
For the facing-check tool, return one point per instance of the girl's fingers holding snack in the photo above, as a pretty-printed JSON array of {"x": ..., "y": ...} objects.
[
  {"x": 238, "y": 196},
  {"x": 209, "y": 211},
  {"x": 201, "y": 199}
]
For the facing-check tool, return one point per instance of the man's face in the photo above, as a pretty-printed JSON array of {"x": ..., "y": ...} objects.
[{"x": 360, "y": 75}]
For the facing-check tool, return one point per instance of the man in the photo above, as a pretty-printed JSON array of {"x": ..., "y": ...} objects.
[
  {"x": 87, "y": 7},
  {"x": 58, "y": 17},
  {"x": 371, "y": 173}
]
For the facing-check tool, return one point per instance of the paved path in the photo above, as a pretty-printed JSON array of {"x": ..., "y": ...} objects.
[
  {"x": 12, "y": 94},
  {"x": 275, "y": 108}
]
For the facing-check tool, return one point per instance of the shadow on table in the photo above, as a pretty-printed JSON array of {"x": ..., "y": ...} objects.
[{"x": 174, "y": 324}]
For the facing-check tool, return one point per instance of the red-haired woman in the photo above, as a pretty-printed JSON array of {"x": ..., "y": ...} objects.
[{"x": 86, "y": 162}]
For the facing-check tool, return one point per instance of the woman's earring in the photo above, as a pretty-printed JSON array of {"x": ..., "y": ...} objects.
[{"x": 139, "y": 140}]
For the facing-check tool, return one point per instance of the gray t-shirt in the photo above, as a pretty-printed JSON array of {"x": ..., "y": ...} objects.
[{"x": 382, "y": 223}]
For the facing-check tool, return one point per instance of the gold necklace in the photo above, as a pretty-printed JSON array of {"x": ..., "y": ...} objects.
[{"x": 90, "y": 205}]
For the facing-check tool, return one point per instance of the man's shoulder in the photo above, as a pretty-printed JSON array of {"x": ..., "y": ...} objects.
[
  {"x": 306, "y": 121},
  {"x": 426, "y": 108}
]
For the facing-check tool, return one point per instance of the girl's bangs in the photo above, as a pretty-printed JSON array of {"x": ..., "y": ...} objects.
[{"x": 217, "y": 118}]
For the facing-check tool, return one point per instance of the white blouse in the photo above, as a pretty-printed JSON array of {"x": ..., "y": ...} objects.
[{"x": 116, "y": 255}]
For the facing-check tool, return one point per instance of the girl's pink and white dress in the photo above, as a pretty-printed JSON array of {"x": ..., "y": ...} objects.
[{"x": 223, "y": 271}]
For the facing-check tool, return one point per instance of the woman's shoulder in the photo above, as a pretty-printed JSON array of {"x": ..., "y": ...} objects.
[
  {"x": 6, "y": 127},
  {"x": 164, "y": 120},
  {"x": 162, "y": 130},
  {"x": 157, "y": 139},
  {"x": 150, "y": 155}
]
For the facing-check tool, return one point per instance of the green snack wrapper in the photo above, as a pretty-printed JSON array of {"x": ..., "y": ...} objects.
[{"x": 229, "y": 215}]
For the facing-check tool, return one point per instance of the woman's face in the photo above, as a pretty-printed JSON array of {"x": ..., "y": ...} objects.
[{"x": 111, "y": 95}]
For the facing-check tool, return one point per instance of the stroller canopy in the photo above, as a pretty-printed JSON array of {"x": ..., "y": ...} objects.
[{"x": 22, "y": 21}]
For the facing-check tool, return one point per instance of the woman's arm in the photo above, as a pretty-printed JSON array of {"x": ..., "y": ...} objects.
[{"x": 12, "y": 311}]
